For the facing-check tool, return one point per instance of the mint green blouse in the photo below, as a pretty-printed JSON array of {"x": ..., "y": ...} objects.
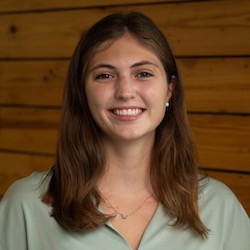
[{"x": 26, "y": 224}]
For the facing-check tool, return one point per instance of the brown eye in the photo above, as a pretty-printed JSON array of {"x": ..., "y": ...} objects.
[
  {"x": 144, "y": 74},
  {"x": 103, "y": 76}
]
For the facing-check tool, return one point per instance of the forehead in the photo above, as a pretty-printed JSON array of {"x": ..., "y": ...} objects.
[
  {"x": 126, "y": 36},
  {"x": 127, "y": 43}
]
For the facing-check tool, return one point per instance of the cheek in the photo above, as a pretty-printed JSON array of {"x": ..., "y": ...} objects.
[
  {"x": 158, "y": 96},
  {"x": 94, "y": 97},
  {"x": 98, "y": 99}
]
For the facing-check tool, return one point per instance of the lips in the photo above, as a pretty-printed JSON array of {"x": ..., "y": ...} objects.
[{"x": 127, "y": 112}]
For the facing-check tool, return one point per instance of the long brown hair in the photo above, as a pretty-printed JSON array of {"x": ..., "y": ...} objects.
[{"x": 80, "y": 158}]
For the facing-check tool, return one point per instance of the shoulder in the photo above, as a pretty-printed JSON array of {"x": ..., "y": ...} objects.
[
  {"x": 217, "y": 201},
  {"x": 22, "y": 211},
  {"x": 223, "y": 215},
  {"x": 216, "y": 198},
  {"x": 32, "y": 185},
  {"x": 210, "y": 188}
]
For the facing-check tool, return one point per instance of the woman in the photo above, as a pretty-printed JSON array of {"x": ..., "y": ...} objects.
[{"x": 125, "y": 175}]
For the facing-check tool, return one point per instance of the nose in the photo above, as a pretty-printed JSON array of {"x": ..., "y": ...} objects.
[{"x": 125, "y": 88}]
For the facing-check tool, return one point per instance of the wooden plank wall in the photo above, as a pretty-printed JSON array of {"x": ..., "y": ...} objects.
[{"x": 211, "y": 40}]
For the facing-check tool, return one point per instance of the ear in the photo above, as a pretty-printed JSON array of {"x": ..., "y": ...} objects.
[{"x": 171, "y": 86}]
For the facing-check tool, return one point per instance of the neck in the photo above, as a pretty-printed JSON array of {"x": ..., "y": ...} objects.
[{"x": 128, "y": 168}]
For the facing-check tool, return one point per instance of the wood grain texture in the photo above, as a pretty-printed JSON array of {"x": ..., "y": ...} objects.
[
  {"x": 199, "y": 28},
  {"x": 217, "y": 84},
  {"x": 31, "y": 5},
  {"x": 32, "y": 130},
  {"x": 222, "y": 141},
  {"x": 32, "y": 82},
  {"x": 211, "y": 84}
]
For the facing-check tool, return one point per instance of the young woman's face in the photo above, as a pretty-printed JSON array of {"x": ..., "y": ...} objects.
[{"x": 127, "y": 90}]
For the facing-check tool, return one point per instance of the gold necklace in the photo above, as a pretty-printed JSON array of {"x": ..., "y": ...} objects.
[{"x": 122, "y": 215}]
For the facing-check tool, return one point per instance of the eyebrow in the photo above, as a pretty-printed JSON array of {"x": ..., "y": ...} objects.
[
  {"x": 109, "y": 66},
  {"x": 102, "y": 65},
  {"x": 142, "y": 63}
]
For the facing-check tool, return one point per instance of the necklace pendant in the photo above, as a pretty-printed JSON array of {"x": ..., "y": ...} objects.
[{"x": 124, "y": 216}]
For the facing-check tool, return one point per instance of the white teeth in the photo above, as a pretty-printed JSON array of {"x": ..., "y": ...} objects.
[{"x": 128, "y": 112}]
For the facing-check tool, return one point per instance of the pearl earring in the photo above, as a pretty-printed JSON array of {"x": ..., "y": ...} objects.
[{"x": 167, "y": 104}]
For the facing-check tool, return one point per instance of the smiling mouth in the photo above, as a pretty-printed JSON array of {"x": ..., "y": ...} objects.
[{"x": 127, "y": 112}]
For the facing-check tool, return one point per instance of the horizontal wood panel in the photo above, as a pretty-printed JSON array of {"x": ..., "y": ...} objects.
[
  {"x": 223, "y": 141},
  {"x": 32, "y": 82},
  {"x": 201, "y": 28},
  {"x": 238, "y": 183},
  {"x": 211, "y": 84},
  {"x": 13, "y": 5},
  {"x": 217, "y": 84},
  {"x": 15, "y": 166},
  {"x": 33, "y": 130}
]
